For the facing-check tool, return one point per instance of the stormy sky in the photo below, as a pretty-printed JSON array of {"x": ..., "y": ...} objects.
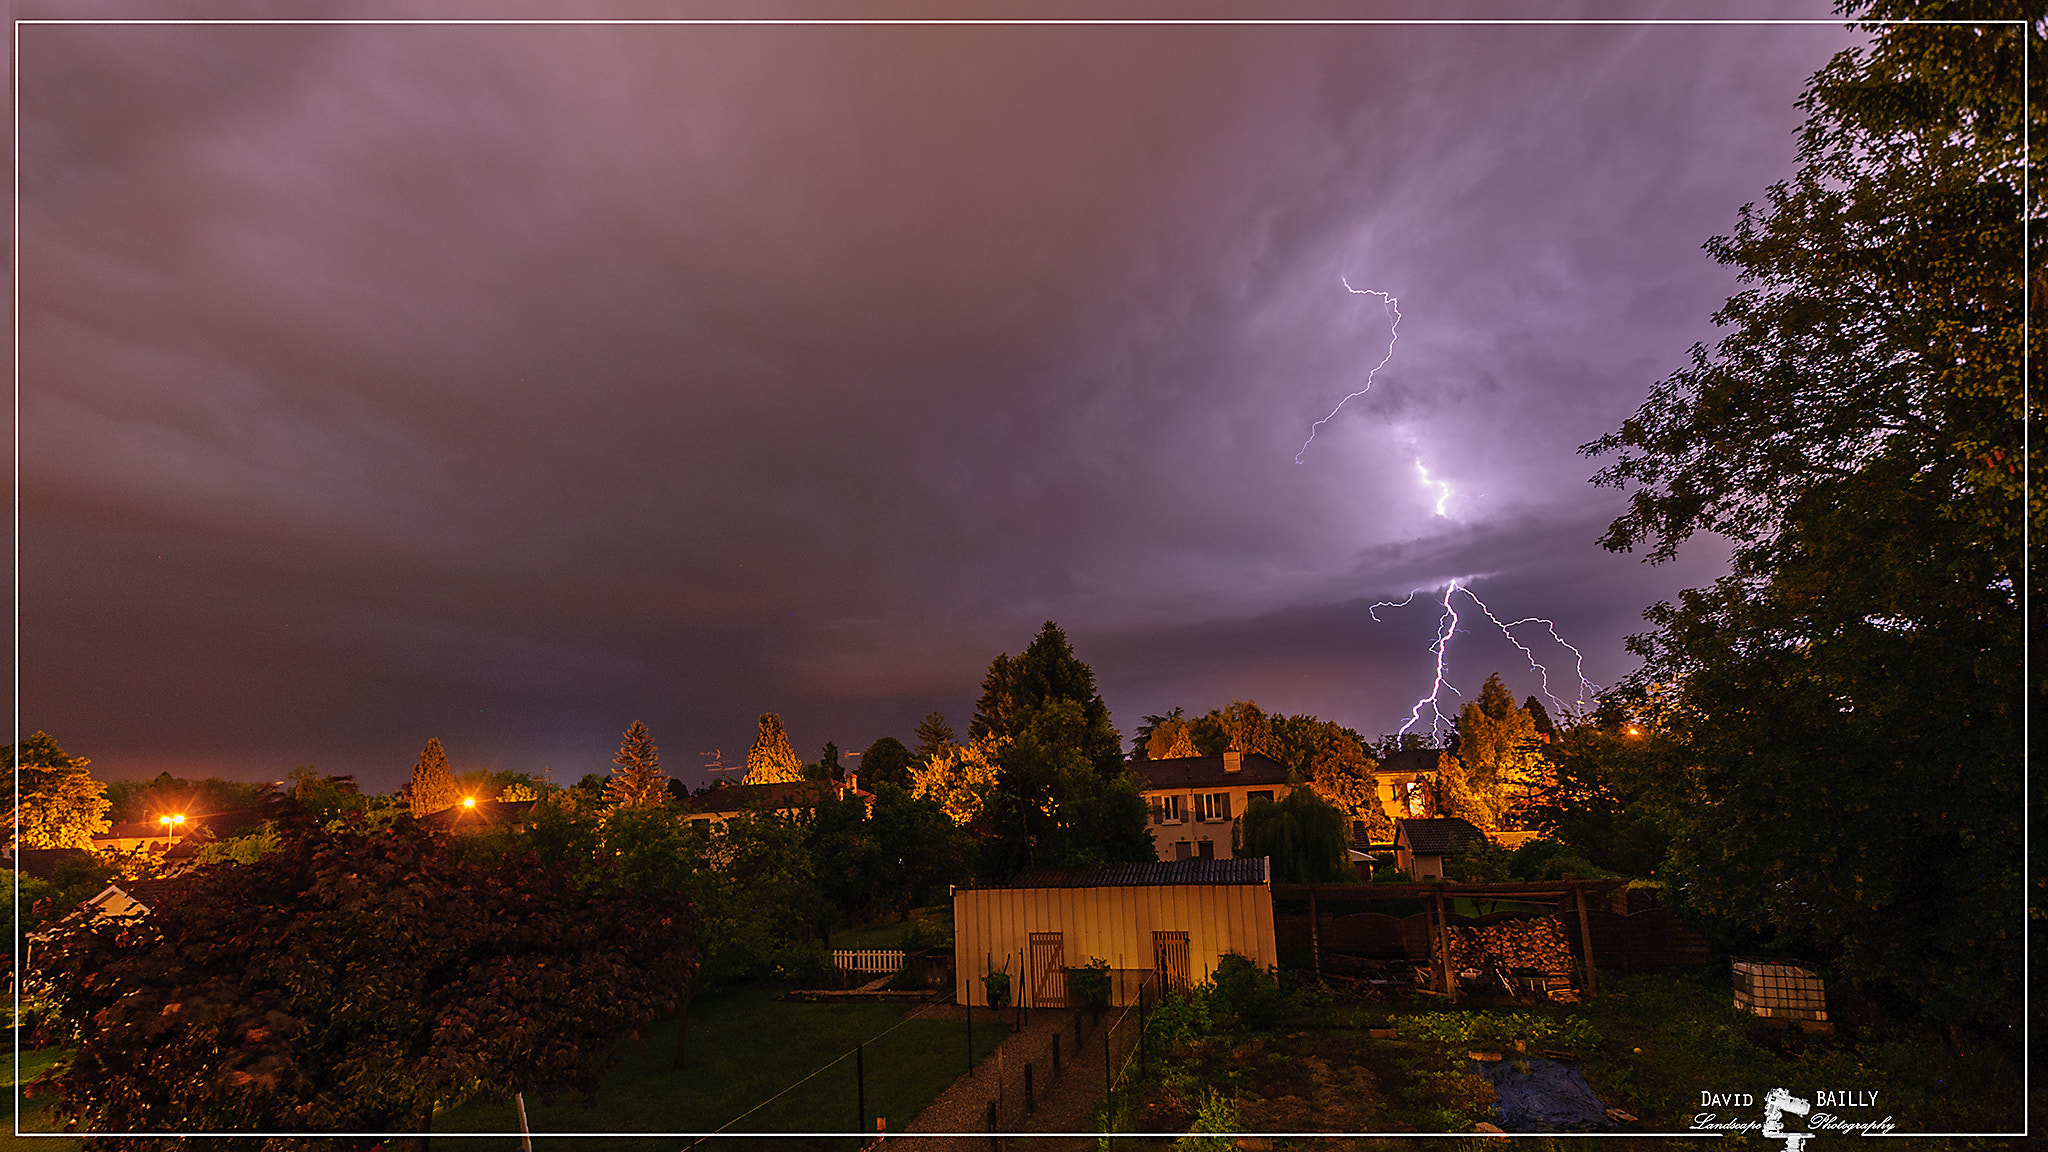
[{"x": 509, "y": 383}]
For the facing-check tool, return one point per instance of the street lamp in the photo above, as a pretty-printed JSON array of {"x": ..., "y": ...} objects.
[
  {"x": 170, "y": 823},
  {"x": 469, "y": 801}
]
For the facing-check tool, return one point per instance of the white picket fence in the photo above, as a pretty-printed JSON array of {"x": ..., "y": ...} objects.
[{"x": 869, "y": 959}]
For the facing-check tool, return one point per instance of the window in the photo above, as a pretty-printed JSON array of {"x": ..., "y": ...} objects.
[
  {"x": 1215, "y": 805},
  {"x": 1169, "y": 810}
]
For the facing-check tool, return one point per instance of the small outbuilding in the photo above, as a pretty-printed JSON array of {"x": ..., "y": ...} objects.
[
  {"x": 1165, "y": 923},
  {"x": 1421, "y": 846}
]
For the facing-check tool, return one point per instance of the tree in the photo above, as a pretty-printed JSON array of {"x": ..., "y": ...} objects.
[
  {"x": 959, "y": 780},
  {"x": 886, "y": 761},
  {"x": 58, "y": 804},
  {"x": 351, "y": 983},
  {"x": 433, "y": 788},
  {"x": 1308, "y": 838},
  {"x": 771, "y": 760},
  {"x": 1497, "y": 741},
  {"x": 1015, "y": 692},
  {"x": 1848, "y": 700},
  {"x": 934, "y": 736},
  {"x": 639, "y": 782},
  {"x": 1163, "y": 738},
  {"x": 1605, "y": 791}
]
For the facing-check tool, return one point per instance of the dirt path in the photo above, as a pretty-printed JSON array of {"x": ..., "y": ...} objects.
[{"x": 1062, "y": 1102}]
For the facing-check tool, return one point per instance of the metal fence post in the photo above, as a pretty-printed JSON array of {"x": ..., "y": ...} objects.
[
  {"x": 1030, "y": 1104},
  {"x": 860, "y": 1090}
]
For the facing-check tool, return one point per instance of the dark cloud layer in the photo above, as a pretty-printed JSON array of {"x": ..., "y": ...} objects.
[{"x": 509, "y": 383}]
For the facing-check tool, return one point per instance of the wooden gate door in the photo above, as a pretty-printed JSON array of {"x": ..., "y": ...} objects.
[
  {"x": 1170, "y": 960},
  {"x": 1048, "y": 970}
]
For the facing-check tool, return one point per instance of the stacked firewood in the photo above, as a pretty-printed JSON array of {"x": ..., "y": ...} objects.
[{"x": 1535, "y": 945}]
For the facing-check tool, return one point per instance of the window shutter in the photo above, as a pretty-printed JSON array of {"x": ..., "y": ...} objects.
[{"x": 1223, "y": 805}]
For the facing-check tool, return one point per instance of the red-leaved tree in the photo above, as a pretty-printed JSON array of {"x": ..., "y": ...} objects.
[{"x": 349, "y": 983}]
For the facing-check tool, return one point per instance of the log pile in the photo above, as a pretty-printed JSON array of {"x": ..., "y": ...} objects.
[{"x": 1534, "y": 945}]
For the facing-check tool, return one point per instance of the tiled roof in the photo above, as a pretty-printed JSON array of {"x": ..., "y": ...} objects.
[
  {"x": 1207, "y": 772},
  {"x": 1439, "y": 837},
  {"x": 485, "y": 814},
  {"x": 1242, "y": 870},
  {"x": 1411, "y": 760}
]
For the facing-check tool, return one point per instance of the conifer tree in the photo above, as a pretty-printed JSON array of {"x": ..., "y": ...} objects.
[
  {"x": 934, "y": 736},
  {"x": 433, "y": 786},
  {"x": 771, "y": 760},
  {"x": 639, "y": 782}
]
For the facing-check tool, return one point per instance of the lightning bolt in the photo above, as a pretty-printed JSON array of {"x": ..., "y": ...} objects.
[
  {"x": 1393, "y": 310},
  {"x": 1443, "y": 487},
  {"x": 1446, "y": 625},
  {"x": 1587, "y": 688}
]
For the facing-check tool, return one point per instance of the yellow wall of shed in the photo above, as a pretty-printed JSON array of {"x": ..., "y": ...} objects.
[{"x": 992, "y": 928}]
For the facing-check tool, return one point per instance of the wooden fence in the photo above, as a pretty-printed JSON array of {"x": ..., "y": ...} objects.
[{"x": 869, "y": 959}]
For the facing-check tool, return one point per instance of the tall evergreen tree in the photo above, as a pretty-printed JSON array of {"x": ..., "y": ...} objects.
[
  {"x": 58, "y": 804},
  {"x": 934, "y": 736},
  {"x": 433, "y": 786},
  {"x": 771, "y": 760},
  {"x": 639, "y": 781}
]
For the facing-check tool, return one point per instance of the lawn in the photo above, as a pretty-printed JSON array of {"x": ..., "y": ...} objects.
[
  {"x": 745, "y": 1048},
  {"x": 35, "y": 1115}
]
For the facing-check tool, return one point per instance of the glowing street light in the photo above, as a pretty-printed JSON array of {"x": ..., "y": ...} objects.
[
  {"x": 171, "y": 823},
  {"x": 469, "y": 801}
]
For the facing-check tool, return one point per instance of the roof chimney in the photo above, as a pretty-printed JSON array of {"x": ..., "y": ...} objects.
[{"x": 1233, "y": 761}]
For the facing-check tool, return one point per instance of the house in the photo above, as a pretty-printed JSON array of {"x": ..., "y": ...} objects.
[
  {"x": 1404, "y": 779},
  {"x": 1162, "y": 924},
  {"x": 475, "y": 817},
  {"x": 1193, "y": 800},
  {"x": 141, "y": 835},
  {"x": 795, "y": 799},
  {"x": 1420, "y": 846}
]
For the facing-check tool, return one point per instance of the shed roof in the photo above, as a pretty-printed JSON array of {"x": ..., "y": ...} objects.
[
  {"x": 1207, "y": 771},
  {"x": 1439, "y": 837},
  {"x": 1151, "y": 873}
]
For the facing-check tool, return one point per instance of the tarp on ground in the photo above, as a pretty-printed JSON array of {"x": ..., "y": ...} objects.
[{"x": 1550, "y": 1097}]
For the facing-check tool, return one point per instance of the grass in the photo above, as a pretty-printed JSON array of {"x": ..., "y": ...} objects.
[
  {"x": 35, "y": 1112},
  {"x": 744, "y": 1048}
]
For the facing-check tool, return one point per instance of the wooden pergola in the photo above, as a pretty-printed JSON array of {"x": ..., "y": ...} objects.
[{"x": 1436, "y": 897}]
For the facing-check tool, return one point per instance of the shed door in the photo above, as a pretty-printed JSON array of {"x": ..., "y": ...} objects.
[
  {"x": 1048, "y": 970},
  {"x": 1170, "y": 960}
]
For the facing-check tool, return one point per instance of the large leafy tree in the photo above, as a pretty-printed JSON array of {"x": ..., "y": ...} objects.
[
  {"x": 57, "y": 803},
  {"x": 1308, "y": 838},
  {"x": 639, "y": 782},
  {"x": 1849, "y": 697},
  {"x": 351, "y": 983},
  {"x": 887, "y": 760}
]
